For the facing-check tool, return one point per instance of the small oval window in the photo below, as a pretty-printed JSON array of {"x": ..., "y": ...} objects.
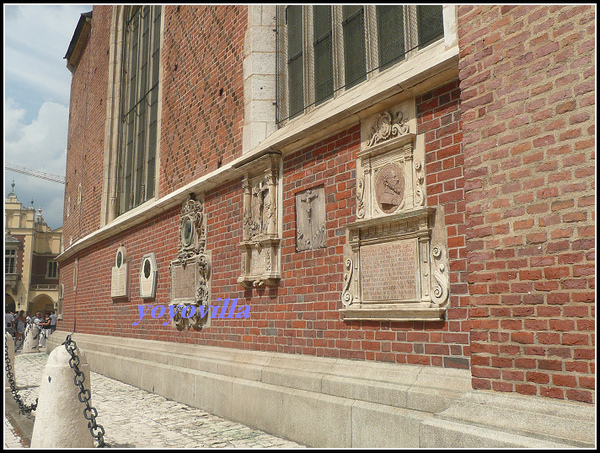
[{"x": 147, "y": 268}]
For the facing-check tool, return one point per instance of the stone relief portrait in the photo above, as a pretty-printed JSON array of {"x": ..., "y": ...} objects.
[{"x": 389, "y": 188}]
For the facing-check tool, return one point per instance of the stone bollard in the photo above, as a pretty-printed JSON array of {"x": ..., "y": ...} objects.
[
  {"x": 59, "y": 420},
  {"x": 31, "y": 340},
  {"x": 10, "y": 342}
]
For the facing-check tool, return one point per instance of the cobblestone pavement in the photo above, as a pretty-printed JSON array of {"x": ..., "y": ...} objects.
[{"x": 134, "y": 418}]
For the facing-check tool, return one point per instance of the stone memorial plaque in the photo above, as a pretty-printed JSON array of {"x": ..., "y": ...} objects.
[
  {"x": 183, "y": 282},
  {"x": 148, "y": 274},
  {"x": 389, "y": 271},
  {"x": 119, "y": 284}
]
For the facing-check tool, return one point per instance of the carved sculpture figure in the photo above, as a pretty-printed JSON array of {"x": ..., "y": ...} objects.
[
  {"x": 260, "y": 234},
  {"x": 310, "y": 219}
]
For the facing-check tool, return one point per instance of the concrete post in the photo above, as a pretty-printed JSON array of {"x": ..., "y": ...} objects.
[
  {"x": 10, "y": 342},
  {"x": 31, "y": 340},
  {"x": 59, "y": 420}
]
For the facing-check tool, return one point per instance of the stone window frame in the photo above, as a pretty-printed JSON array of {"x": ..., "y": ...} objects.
[
  {"x": 373, "y": 68},
  {"x": 113, "y": 204},
  {"x": 52, "y": 269}
]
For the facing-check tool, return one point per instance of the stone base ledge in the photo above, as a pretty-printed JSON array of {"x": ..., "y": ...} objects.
[
  {"x": 325, "y": 402},
  {"x": 530, "y": 421}
]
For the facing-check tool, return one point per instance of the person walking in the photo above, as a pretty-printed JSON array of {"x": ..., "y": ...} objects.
[
  {"x": 20, "y": 328},
  {"x": 9, "y": 323},
  {"x": 40, "y": 323},
  {"x": 53, "y": 319}
]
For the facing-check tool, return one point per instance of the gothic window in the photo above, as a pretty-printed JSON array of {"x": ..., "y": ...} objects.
[
  {"x": 138, "y": 128},
  {"x": 325, "y": 49}
]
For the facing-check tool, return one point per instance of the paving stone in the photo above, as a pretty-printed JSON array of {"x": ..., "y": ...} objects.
[{"x": 134, "y": 418}]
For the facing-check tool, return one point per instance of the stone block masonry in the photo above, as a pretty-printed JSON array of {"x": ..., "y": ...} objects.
[{"x": 527, "y": 79}]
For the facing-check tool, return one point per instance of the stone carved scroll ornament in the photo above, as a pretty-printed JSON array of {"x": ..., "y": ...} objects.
[
  {"x": 420, "y": 179},
  {"x": 347, "y": 297},
  {"x": 440, "y": 290},
  {"x": 388, "y": 126},
  {"x": 360, "y": 202}
]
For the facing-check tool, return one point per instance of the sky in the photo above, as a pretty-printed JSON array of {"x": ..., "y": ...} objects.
[{"x": 37, "y": 86}]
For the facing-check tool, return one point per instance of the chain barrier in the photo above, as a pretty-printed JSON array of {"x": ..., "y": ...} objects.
[
  {"x": 23, "y": 408},
  {"x": 90, "y": 413}
]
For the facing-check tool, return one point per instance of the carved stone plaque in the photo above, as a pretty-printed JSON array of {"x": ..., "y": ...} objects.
[
  {"x": 148, "y": 273},
  {"x": 395, "y": 261},
  {"x": 261, "y": 236},
  {"x": 119, "y": 282},
  {"x": 183, "y": 283},
  {"x": 190, "y": 271},
  {"x": 119, "y": 286},
  {"x": 310, "y": 219},
  {"x": 389, "y": 271}
]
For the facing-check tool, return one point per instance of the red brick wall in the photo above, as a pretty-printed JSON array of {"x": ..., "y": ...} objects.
[
  {"x": 203, "y": 91},
  {"x": 527, "y": 79},
  {"x": 439, "y": 119},
  {"x": 87, "y": 117},
  {"x": 202, "y": 112},
  {"x": 300, "y": 315}
]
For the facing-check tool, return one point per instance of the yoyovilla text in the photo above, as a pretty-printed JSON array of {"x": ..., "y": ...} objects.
[{"x": 225, "y": 311}]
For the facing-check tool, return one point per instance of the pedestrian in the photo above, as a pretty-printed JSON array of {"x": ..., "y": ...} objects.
[
  {"x": 38, "y": 322},
  {"x": 20, "y": 327},
  {"x": 53, "y": 319},
  {"x": 45, "y": 334},
  {"x": 9, "y": 323}
]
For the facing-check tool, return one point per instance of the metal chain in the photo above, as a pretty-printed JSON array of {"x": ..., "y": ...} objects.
[
  {"x": 23, "y": 408},
  {"x": 90, "y": 413}
]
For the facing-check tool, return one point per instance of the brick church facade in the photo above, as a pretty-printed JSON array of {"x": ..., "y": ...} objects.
[{"x": 415, "y": 244}]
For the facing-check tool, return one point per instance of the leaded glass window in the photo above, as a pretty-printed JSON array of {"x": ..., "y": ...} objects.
[
  {"x": 139, "y": 106},
  {"x": 326, "y": 49}
]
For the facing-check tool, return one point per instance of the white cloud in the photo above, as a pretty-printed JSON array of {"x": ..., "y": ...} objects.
[
  {"x": 13, "y": 116},
  {"x": 39, "y": 145},
  {"x": 36, "y": 40},
  {"x": 37, "y": 89}
]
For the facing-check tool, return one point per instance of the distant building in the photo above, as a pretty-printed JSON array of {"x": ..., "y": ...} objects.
[
  {"x": 30, "y": 251},
  {"x": 403, "y": 196}
]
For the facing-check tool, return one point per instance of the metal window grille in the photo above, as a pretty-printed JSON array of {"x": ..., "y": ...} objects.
[
  {"x": 323, "y": 52},
  {"x": 355, "y": 63},
  {"x": 390, "y": 34},
  {"x": 323, "y": 49},
  {"x": 295, "y": 59},
  {"x": 139, "y": 118},
  {"x": 430, "y": 24}
]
